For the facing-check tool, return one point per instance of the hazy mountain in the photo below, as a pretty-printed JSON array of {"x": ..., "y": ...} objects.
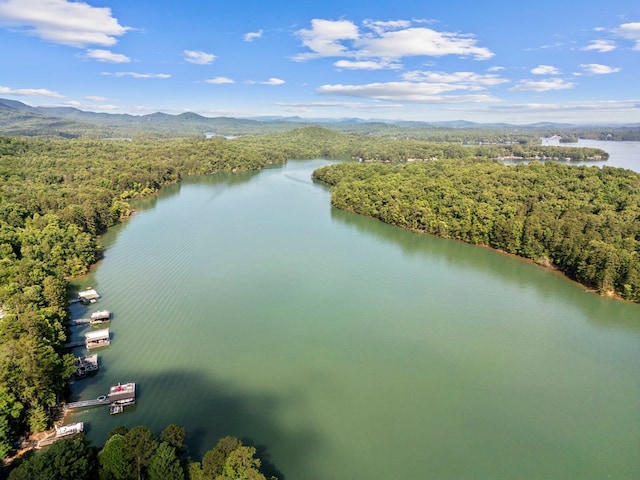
[{"x": 17, "y": 118}]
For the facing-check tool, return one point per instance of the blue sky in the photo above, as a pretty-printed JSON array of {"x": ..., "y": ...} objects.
[{"x": 494, "y": 61}]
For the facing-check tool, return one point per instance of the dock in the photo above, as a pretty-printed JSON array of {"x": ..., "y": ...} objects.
[
  {"x": 74, "y": 344},
  {"x": 100, "y": 316},
  {"x": 97, "y": 338},
  {"x": 88, "y": 295},
  {"x": 85, "y": 365},
  {"x": 78, "y": 321},
  {"x": 119, "y": 396},
  {"x": 101, "y": 400}
]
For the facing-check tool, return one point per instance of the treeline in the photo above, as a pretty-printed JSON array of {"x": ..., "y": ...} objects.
[
  {"x": 619, "y": 134},
  {"x": 137, "y": 453},
  {"x": 582, "y": 220}
]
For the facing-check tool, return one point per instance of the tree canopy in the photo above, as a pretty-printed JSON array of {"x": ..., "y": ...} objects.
[
  {"x": 137, "y": 455},
  {"x": 582, "y": 220}
]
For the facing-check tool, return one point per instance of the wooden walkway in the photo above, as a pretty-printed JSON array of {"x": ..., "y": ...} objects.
[
  {"x": 79, "y": 321},
  {"x": 77, "y": 343},
  {"x": 87, "y": 403}
]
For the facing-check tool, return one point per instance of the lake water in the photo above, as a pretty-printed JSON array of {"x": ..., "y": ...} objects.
[
  {"x": 345, "y": 348},
  {"x": 621, "y": 154}
]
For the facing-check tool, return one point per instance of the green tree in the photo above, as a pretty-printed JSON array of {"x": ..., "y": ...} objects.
[
  {"x": 165, "y": 464},
  {"x": 114, "y": 459},
  {"x": 241, "y": 464},
  {"x": 68, "y": 459},
  {"x": 141, "y": 443},
  {"x": 214, "y": 460},
  {"x": 174, "y": 435}
]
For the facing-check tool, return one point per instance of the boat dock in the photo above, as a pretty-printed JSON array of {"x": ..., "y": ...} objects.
[
  {"x": 89, "y": 295},
  {"x": 97, "y": 338},
  {"x": 119, "y": 396},
  {"x": 100, "y": 316},
  {"x": 86, "y": 365}
]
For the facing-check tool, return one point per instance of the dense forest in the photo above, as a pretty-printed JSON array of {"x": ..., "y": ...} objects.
[
  {"x": 57, "y": 195},
  {"x": 585, "y": 221},
  {"x": 137, "y": 453}
]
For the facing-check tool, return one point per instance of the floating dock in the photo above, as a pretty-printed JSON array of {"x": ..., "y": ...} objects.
[
  {"x": 96, "y": 318},
  {"x": 97, "y": 338},
  {"x": 85, "y": 365},
  {"x": 100, "y": 316},
  {"x": 88, "y": 295},
  {"x": 119, "y": 396}
]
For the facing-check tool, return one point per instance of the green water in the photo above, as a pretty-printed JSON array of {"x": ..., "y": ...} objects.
[{"x": 348, "y": 349}]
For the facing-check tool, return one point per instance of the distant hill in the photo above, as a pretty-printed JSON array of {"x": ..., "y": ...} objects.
[{"x": 17, "y": 118}]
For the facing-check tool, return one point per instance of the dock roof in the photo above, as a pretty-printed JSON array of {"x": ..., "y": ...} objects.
[{"x": 97, "y": 334}]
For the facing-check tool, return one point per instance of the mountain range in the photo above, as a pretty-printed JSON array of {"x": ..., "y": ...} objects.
[{"x": 17, "y": 118}]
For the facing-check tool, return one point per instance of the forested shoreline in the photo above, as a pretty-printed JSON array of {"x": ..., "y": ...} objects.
[
  {"x": 58, "y": 195},
  {"x": 582, "y": 220},
  {"x": 138, "y": 453}
]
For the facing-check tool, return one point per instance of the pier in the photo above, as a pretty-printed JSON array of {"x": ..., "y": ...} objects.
[
  {"x": 74, "y": 344},
  {"x": 101, "y": 400},
  {"x": 119, "y": 396},
  {"x": 79, "y": 321}
]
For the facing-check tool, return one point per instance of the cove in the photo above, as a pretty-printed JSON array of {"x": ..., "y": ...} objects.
[{"x": 349, "y": 349}]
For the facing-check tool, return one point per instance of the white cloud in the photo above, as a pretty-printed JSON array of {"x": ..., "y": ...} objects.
[
  {"x": 469, "y": 80},
  {"x": 597, "y": 69},
  {"x": 324, "y": 38},
  {"x": 251, "y": 36},
  {"x": 366, "y": 65},
  {"x": 349, "y": 105},
  {"x": 219, "y": 80},
  {"x": 271, "y": 81},
  {"x": 601, "y": 46},
  {"x": 29, "y": 92},
  {"x": 542, "y": 85},
  {"x": 405, "y": 92},
  {"x": 107, "y": 56},
  {"x": 545, "y": 70},
  {"x": 495, "y": 69},
  {"x": 76, "y": 24},
  {"x": 137, "y": 75},
  {"x": 421, "y": 42},
  {"x": 198, "y": 57},
  {"x": 630, "y": 31},
  {"x": 385, "y": 40},
  {"x": 96, "y": 98}
]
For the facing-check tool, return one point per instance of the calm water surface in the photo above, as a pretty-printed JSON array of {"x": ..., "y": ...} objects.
[{"x": 348, "y": 349}]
